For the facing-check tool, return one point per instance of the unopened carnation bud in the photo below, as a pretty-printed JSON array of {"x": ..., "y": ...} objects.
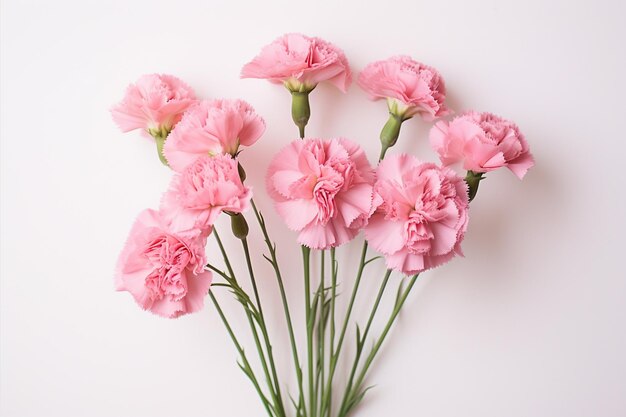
[{"x": 239, "y": 225}]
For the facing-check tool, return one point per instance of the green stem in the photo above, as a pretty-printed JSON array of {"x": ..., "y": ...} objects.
[
  {"x": 335, "y": 357},
  {"x": 292, "y": 339},
  {"x": 370, "y": 358},
  {"x": 263, "y": 326},
  {"x": 327, "y": 396},
  {"x": 310, "y": 322},
  {"x": 361, "y": 342},
  {"x": 321, "y": 330},
  {"x": 246, "y": 365},
  {"x": 255, "y": 333}
]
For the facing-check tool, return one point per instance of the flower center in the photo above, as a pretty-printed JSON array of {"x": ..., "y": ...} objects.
[
  {"x": 417, "y": 234},
  {"x": 169, "y": 257},
  {"x": 324, "y": 194}
]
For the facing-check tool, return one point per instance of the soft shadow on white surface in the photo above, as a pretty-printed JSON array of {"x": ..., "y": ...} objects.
[{"x": 530, "y": 323}]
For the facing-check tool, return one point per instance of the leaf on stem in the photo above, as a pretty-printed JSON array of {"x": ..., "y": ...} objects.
[
  {"x": 372, "y": 260},
  {"x": 358, "y": 398}
]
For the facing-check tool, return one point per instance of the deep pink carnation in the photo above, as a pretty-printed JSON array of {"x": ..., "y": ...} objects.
[
  {"x": 154, "y": 103},
  {"x": 212, "y": 128},
  {"x": 410, "y": 87},
  {"x": 203, "y": 190},
  {"x": 422, "y": 214},
  {"x": 163, "y": 269},
  {"x": 322, "y": 189},
  {"x": 301, "y": 63},
  {"x": 483, "y": 141}
]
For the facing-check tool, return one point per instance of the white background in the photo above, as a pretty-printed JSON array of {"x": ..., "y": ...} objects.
[{"x": 531, "y": 323}]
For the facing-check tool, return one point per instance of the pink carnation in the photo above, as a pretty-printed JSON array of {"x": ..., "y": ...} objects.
[
  {"x": 409, "y": 87},
  {"x": 203, "y": 190},
  {"x": 300, "y": 62},
  {"x": 163, "y": 269},
  {"x": 154, "y": 103},
  {"x": 483, "y": 141},
  {"x": 422, "y": 214},
  {"x": 212, "y": 128},
  {"x": 322, "y": 189}
]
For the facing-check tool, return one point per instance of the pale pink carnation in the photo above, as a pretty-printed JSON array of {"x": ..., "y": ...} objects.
[
  {"x": 155, "y": 103},
  {"x": 322, "y": 189},
  {"x": 207, "y": 187},
  {"x": 300, "y": 62},
  {"x": 163, "y": 269},
  {"x": 212, "y": 128},
  {"x": 422, "y": 214},
  {"x": 483, "y": 141},
  {"x": 409, "y": 87}
]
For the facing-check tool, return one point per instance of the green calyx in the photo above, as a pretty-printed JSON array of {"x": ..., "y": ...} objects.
[
  {"x": 390, "y": 133},
  {"x": 160, "y": 135},
  {"x": 300, "y": 110},
  {"x": 473, "y": 179}
]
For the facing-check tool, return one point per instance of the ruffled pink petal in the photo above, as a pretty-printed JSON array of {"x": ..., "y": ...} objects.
[
  {"x": 252, "y": 130},
  {"x": 385, "y": 236},
  {"x": 297, "y": 214},
  {"x": 405, "y": 262},
  {"x": 197, "y": 289},
  {"x": 355, "y": 202},
  {"x": 521, "y": 165}
]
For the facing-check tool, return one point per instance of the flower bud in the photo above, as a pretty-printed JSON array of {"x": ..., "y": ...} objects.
[{"x": 239, "y": 225}]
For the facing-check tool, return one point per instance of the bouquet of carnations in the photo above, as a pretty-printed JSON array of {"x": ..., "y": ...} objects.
[{"x": 414, "y": 214}]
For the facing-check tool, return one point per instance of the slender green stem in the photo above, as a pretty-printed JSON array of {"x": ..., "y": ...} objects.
[
  {"x": 370, "y": 358},
  {"x": 310, "y": 322},
  {"x": 263, "y": 327},
  {"x": 335, "y": 357},
  {"x": 255, "y": 333},
  {"x": 327, "y": 395},
  {"x": 361, "y": 342},
  {"x": 272, "y": 250},
  {"x": 321, "y": 331},
  {"x": 246, "y": 365}
]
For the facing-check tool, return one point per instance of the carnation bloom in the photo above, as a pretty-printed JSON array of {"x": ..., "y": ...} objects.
[
  {"x": 212, "y": 128},
  {"x": 163, "y": 269},
  {"x": 203, "y": 190},
  {"x": 300, "y": 62},
  {"x": 483, "y": 141},
  {"x": 154, "y": 103},
  {"x": 408, "y": 86},
  {"x": 421, "y": 216},
  {"x": 322, "y": 189}
]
